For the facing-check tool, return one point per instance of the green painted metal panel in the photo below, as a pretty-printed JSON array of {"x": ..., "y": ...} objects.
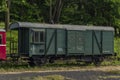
[
  {"x": 88, "y": 42},
  {"x": 71, "y": 41},
  {"x": 108, "y": 42},
  {"x": 93, "y": 42},
  {"x": 61, "y": 41},
  {"x": 50, "y": 41},
  {"x": 80, "y": 41},
  {"x": 97, "y": 42},
  {"x": 75, "y": 42}
]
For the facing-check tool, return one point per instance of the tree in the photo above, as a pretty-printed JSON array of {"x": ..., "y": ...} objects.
[
  {"x": 7, "y": 16},
  {"x": 2, "y": 10},
  {"x": 24, "y": 10},
  {"x": 82, "y": 12}
]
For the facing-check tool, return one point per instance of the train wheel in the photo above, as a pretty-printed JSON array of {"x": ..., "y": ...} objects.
[
  {"x": 97, "y": 61},
  {"x": 40, "y": 61},
  {"x": 43, "y": 60},
  {"x": 31, "y": 62},
  {"x": 51, "y": 60},
  {"x": 37, "y": 61}
]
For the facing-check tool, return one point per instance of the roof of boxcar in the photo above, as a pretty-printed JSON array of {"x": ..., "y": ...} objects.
[{"x": 18, "y": 25}]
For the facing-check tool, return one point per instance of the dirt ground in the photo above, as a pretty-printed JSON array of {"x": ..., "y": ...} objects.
[{"x": 96, "y": 73}]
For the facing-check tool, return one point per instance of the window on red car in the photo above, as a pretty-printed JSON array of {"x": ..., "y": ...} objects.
[{"x": 0, "y": 39}]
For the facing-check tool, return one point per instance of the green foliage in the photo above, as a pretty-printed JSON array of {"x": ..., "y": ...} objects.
[
  {"x": 84, "y": 12},
  {"x": 22, "y": 10},
  {"x": 93, "y": 12},
  {"x": 3, "y": 8},
  {"x": 116, "y": 46},
  {"x": 2, "y": 5}
]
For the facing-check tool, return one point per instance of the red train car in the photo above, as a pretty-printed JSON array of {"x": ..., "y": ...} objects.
[{"x": 2, "y": 44}]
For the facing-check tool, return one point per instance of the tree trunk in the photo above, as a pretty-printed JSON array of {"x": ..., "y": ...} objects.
[
  {"x": 7, "y": 17},
  {"x": 58, "y": 13},
  {"x": 55, "y": 16}
]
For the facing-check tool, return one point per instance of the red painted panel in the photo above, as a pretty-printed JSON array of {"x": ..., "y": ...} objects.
[
  {"x": 3, "y": 46},
  {"x": 3, "y": 37},
  {"x": 2, "y": 52}
]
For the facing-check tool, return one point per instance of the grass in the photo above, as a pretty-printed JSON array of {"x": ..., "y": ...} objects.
[
  {"x": 109, "y": 77},
  {"x": 4, "y": 68},
  {"x": 52, "y": 77},
  {"x": 47, "y": 67},
  {"x": 49, "y": 77},
  {"x": 114, "y": 72}
]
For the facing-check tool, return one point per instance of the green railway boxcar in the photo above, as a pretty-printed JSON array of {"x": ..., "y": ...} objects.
[{"x": 42, "y": 42}]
